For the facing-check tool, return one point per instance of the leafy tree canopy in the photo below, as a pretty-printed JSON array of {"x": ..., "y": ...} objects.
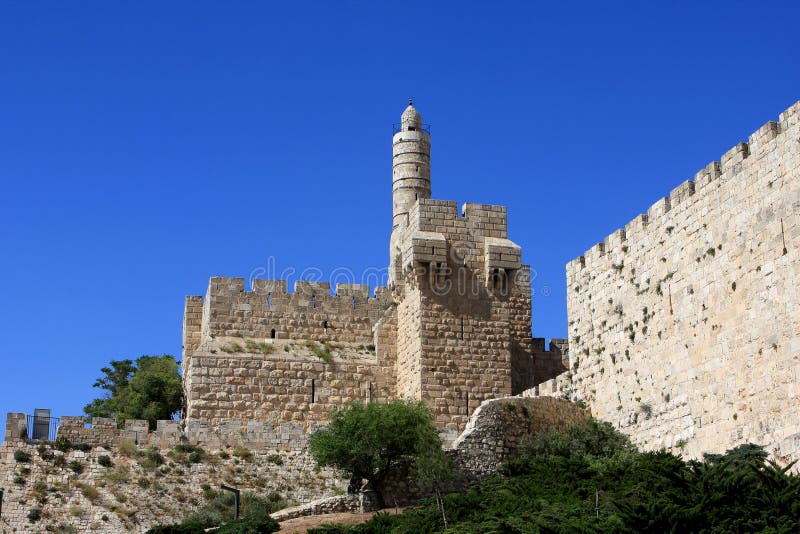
[
  {"x": 149, "y": 388},
  {"x": 368, "y": 440}
]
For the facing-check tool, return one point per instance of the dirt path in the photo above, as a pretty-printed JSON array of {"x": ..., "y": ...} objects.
[{"x": 299, "y": 525}]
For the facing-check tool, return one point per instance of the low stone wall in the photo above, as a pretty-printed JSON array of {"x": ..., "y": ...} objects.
[
  {"x": 495, "y": 429},
  {"x": 355, "y": 504},
  {"x": 168, "y": 433}
]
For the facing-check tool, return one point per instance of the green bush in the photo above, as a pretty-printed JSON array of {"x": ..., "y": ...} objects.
[
  {"x": 22, "y": 456},
  {"x": 554, "y": 486},
  {"x": 34, "y": 515},
  {"x": 85, "y": 447},
  {"x": 62, "y": 444},
  {"x": 105, "y": 461},
  {"x": 250, "y": 525},
  {"x": 150, "y": 458},
  {"x": 76, "y": 466},
  {"x": 219, "y": 508},
  {"x": 187, "y": 454}
]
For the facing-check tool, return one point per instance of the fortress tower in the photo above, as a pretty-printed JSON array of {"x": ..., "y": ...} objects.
[{"x": 411, "y": 172}]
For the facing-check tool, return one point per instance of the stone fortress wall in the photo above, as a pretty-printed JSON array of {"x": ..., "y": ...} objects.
[
  {"x": 685, "y": 325},
  {"x": 270, "y": 355}
]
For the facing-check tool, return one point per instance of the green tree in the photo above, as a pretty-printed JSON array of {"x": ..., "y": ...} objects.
[
  {"x": 149, "y": 388},
  {"x": 368, "y": 440}
]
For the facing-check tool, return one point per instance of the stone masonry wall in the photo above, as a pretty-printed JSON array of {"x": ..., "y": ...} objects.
[
  {"x": 311, "y": 312},
  {"x": 289, "y": 385},
  {"x": 496, "y": 428},
  {"x": 685, "y": 325},
  {"x": 464, "y": 308}
]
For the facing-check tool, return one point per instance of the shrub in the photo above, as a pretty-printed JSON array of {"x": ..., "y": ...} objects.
[
  {"x": 275, "y": 459},
  {"x": 105, "y": 461},
  {"x": 62, "y": 444},
  {"x": 44, "y": 451},
  {"x": 263, "y": 348},
  {"x": 76, "y": 466},
  {"x": 77, "y": 511},
  {"x": 88, "y": 491},
  {"x": 34, "y": 515},
  {"x": 85, "y": 447},
  {"x": 232, "y": 348},
  {"x": 150, "y": 458},
  {"x": 119, "y": 475},
  {"x": 224, "y": 455},
  {"x": 187, "y": 454},
  {"x": 320, "y": 350},
  {"x": 22, "y": 456},
  {"x": 59, "y": 460},
  {"x": 219, "y": 509},
  {"x": 18, "y": 480},
  {"x": 250, "y": 525},
  {"x": 128, "y": 448},
  {"x": 242, "y": 452}
]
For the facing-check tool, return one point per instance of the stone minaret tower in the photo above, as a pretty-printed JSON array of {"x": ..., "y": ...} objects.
[{"x": 411, "y": 175}]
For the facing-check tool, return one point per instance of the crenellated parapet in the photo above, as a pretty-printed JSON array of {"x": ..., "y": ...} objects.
[
  {"x": 287, "y": 436},
  {"x": 271, "y": 311},
  {"x": 741, "y": 162}
]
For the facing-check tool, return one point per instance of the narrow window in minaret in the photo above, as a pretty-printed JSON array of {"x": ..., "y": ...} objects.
[
  {"x": 313, "y": 391},
  {"x": 269, "y": 299},
  {"x": 353, "y": 303},
  {"x": 313, "y": 301},
  {"x": 272, "y": 334},
  {"x": 462, "y": 328},
  {"x": 325, "y": 326}
]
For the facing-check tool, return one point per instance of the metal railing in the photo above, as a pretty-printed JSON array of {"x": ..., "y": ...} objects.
[
  {"x": 42, "y": 427},
  {"x": 399, "y": 128}
]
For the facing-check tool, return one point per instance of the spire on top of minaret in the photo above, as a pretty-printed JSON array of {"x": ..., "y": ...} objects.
[{"x": 410, "y": 120}]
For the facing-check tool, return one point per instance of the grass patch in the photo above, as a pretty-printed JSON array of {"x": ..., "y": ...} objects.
[
  {"x": 320, "y": 350},
  {"x": 263, "y": 348},
  {"x": 232, "y": 348}
]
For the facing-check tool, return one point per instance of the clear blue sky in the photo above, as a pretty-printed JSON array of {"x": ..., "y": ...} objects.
[{"x": 147, "y": 146}]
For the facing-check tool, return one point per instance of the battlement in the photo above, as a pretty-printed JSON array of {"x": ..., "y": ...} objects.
[
  {"x": 103, "y": 431},
  {"x": 732, "y": 165},
  {"x": 227, "y": 286},
  {"x": 429, "y": 215},
  {"x": 269, "y": 310}
]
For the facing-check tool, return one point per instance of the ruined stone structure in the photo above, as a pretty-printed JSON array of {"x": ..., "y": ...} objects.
[
  {"x": 685, "y": 325},
  {"x": 452, "y": 328}
]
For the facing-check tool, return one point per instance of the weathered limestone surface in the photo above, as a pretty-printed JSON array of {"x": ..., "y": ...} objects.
[{"x": 685, "y": 325}]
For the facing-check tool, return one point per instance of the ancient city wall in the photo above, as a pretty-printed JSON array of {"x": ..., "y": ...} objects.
[{"x": 685, "y": 325}]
